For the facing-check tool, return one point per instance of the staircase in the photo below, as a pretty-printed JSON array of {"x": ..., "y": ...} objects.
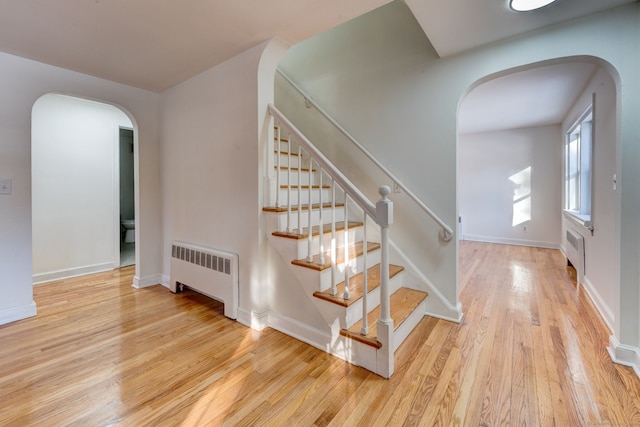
[{"x": 337, "y": 244}]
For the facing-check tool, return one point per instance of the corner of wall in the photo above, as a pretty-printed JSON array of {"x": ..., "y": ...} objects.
[
  {"x": 13, "y": 314},
  {"x": 624, "y": 354}
]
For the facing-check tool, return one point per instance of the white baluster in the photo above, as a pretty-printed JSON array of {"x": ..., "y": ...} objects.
[
  {"x": 309, "y": 223},
  {"x": 334, "y": 291},
  {"x": 347, "y": 291},
  {"x": 299, "y": 189},
  {"x": 278, "y": 168},
  {"x": 384, "y": 218},
  {"x": 321, "y": 259},
  {"x": 289, "y": 211},
  {"x": 365, "y": 285}
]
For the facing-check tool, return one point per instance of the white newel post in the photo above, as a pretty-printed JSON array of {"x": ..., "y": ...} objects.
[{"x": 384, "y": 218}]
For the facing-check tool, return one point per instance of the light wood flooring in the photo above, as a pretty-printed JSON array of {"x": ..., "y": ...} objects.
[{"x": 531, "y": 351}]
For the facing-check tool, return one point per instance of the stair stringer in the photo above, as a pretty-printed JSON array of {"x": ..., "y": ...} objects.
[
  {"x": 328, "y": 340},
  {"x": 436, "y": 305}
]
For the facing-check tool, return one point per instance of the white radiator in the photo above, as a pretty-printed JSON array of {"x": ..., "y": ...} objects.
[
  {"x": 211, "y": 272},
  {"x": 575, "y": 252}
]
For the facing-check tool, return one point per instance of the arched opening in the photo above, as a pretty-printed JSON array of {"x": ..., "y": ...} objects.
[
  {"x": 83, "y": 186},
  {"x": 513, "y": 166}
]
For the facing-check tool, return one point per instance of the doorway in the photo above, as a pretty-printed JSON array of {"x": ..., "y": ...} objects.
[
  {"x": 127, "y": 199},
  {"x": 76, "y": 224}
]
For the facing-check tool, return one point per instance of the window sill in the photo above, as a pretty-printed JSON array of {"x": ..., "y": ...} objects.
[{"x": 584, "y": 220}]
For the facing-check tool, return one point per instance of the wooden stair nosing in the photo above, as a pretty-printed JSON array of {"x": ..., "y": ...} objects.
[
  {"x": 285, "y": 153},
  {"x": 315, "y": 231},
  {"x": 403, "y": 302},
  {"x": 355, "y": 250},
  {"x": 304, "y": 187},
  {"x": 305, "y": 207},
  {"x": 355, "y": 283},
  {"x": 294, "y": 169}
]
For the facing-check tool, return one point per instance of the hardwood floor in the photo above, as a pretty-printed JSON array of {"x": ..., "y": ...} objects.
[{"x": 531, "y": 351}]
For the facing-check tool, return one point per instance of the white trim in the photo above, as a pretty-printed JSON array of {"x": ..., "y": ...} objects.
[
  {"x": 508, "y": 241},
  {"x": 624, "y": 354},
  {"x": 13, "y": 314},
  {"x": 447, "y": 310},
  {"x": 143, "y": 282},
  {"x": 166, "y": 281},
  {"x": 257, "y": 321},
  {"x": 300, "y": 331},
  {"x": 605, "y": 312},
  {"x": 457, "y": 317},
  {"x": 72, "y": 272}
]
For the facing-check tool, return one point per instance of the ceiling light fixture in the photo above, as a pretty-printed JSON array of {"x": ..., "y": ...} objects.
[{"x": 527, "y": 5}]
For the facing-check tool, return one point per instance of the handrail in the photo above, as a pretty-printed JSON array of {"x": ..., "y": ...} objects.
[
  {"x": 446, "y": 233},
  {"x": 331, "y": 170}
]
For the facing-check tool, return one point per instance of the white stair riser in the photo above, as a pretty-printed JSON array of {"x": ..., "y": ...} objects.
[
  {"x": 355, "y": 266},
  {"x": 292, "y": 162},
  {"x": 304, "y": 196},
  {"x": 354, "y": 311},
  {"x": 281, "y": 218},
  {"x": 284, "y": 177},
  {"x": 355, "y": 235},
  {"x": 352, "y": 314}
]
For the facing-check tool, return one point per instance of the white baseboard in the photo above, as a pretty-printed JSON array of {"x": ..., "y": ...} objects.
[
  {"x": 13, "y": 314},
  {"x": 602, "y": 308},
  {"x": 143, "y": 282},
  {"x": 71, "y": 272},
  {"x": 456, "y": 315},
  {"x": 507, "y": 241},
  {"x": 257, "y": 321},
  {"x": 166, "y": 281},
  {"x": 624, "y": 354},
  {"x": 298, "y": 330}
]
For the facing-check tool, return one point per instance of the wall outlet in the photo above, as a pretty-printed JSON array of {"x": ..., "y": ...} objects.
[
  {"x": 5, "y": 186},
  {"x": 524, "y": 228}
]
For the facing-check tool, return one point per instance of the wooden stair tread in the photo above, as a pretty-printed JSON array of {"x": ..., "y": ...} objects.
[
  {"x": 403, "y": 302},
  {"x": 355, "y": 250},
  {"x": 294, "y": 208},
  {"x": 304, "y": 187},
  {"x": 285, "y": 153},
  {"x": 294, "y": 169},
  {"x": 315, "y": 231},
  {"x": 355, "y": 283}
]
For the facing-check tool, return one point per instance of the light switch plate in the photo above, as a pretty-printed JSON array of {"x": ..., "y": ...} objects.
[{"x": 5, "y": 186}]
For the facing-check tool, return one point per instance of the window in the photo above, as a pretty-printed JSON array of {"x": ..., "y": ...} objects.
[{"x": 578, "y": 168}]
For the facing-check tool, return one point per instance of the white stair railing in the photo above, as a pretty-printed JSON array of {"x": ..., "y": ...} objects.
[
  {"x": 353, "y": 200},
  {"x": 446, "y": 232}
]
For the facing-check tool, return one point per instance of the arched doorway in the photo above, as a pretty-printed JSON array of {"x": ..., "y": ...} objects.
[
  {"x": 76, "y": 194},
  {"x": 512, "y": 165}
]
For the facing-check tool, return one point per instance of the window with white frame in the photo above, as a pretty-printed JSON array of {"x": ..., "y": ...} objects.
[{"x": 578, "y": 155}]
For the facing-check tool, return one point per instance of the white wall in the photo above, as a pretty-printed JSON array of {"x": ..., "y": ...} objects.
[
  {"x": 25, "y": 81},
  {"x": 380, "y": 78},
  {"x": 74, "y": 163},
  {"x": 500, "y": 173},
  {"x": 601, "y": 249},
  {"x": 212, "y": 182}
]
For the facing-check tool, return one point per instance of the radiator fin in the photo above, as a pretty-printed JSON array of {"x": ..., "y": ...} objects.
[{"x": 202, "y": 259}]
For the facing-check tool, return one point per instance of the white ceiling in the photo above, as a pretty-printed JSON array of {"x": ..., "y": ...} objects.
[
  {"x": 155, "y": 44},
  {"x": 455, "y": 26},
  {"x": 535, "y": 97}
]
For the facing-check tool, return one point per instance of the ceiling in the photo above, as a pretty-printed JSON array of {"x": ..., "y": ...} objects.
[
  {"x": 155, "y": 44},
  {"x": 535, "y": 97}
]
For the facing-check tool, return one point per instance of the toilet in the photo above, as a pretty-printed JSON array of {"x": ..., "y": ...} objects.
[{"x": 129, "y": 229}]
